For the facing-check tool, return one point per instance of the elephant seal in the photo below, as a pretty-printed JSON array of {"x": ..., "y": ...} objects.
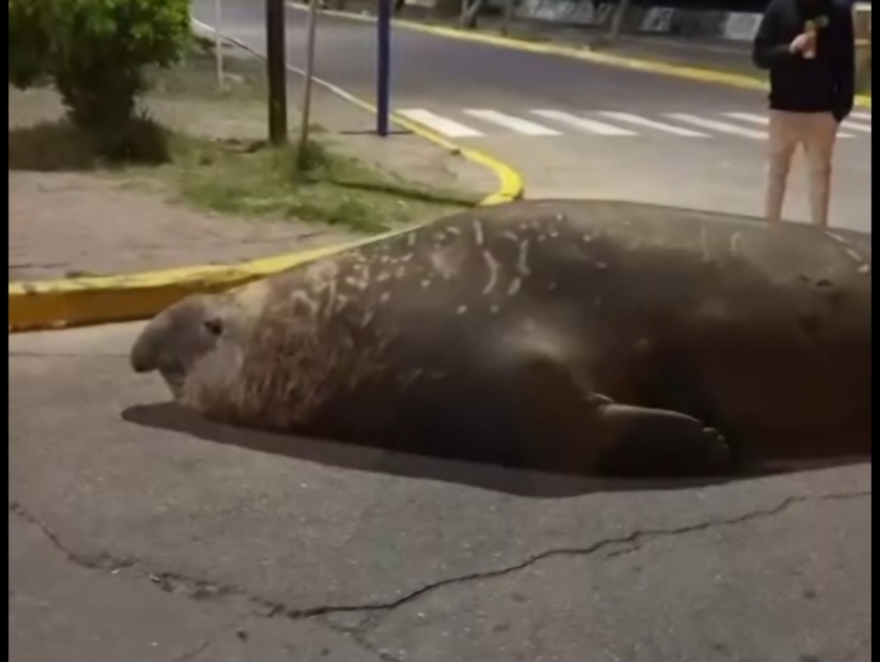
[{"x": 575, "y": 336}]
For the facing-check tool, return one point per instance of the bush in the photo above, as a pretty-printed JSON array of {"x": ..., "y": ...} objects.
[{"x": 96, "y": 53}]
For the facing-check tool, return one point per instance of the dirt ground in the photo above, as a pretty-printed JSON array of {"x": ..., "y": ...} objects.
[{"x": 67, "y": 224}]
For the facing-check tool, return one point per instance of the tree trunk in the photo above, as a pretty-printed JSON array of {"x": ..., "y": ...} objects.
[
  {"x": 509, "y": 9},
  {"x": 469, "y": 17}
]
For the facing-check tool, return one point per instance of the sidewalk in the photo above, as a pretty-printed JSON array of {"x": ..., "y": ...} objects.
[{"x": 87, "y": 223}]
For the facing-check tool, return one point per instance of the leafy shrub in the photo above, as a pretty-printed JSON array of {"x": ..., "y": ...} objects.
[{"x": 96, "y": 53}]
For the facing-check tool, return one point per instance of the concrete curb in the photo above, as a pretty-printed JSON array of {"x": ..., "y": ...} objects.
[
  {"x": 729, "y": 79},
  {"x": 99, "y": 300}
]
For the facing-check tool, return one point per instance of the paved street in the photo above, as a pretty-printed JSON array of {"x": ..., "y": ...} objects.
[
  {"x": 573, "y": 128},
  {"x": 462, "y": 123},
  {"x": 138, "y": 533}
]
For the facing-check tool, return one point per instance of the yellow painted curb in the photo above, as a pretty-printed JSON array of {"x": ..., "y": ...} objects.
[
  {"x": 99, "y": 300},
  {"x": 81, "y": 301},
  {"x": 580, "y": 53}
]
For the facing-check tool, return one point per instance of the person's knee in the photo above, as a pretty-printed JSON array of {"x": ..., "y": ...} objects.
[
  {"x": 820, "y": 167},
  {"x": 820, "y": 155},
  {"x": 779, "y": 164}
]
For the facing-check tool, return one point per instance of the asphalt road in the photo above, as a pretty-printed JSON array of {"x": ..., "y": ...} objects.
[
  {"x": 137, "y": 533},
  {"x": 713, "y": 158}
]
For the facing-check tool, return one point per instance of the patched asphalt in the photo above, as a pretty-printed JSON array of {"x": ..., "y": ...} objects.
[{"x": 139, "y": 533}]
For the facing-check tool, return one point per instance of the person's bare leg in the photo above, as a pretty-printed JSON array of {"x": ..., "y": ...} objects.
[
  {"x": 820, "y": 139},
  {"x": 783, "y": 139}
]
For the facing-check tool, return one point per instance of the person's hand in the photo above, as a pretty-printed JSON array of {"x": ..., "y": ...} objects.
[{"x": 803, "y": 43}]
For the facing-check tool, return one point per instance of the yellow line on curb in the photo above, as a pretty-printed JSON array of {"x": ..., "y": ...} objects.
[
  {"x": 701, "y": 74},
  {"x": 99, "y": 300}
]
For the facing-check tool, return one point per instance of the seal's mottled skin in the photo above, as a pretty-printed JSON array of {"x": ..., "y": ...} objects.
[{"x": 575, "y": 336}]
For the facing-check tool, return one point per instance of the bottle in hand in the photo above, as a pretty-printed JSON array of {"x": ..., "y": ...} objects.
[{"x": 810, "y": 28}]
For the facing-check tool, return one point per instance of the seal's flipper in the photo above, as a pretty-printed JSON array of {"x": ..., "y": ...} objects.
[
  {"x": 555, "y": 418},
  {"x": 566, "y": 425},
  {"x": 659, "y": 443}
]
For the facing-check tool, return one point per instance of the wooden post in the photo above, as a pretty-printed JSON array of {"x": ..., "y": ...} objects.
[
  {"x": 620, "y": 13},
  {"x": 276, "y": 69}
]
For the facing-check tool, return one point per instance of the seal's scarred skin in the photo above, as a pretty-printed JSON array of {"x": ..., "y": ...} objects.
[{"x": 576, "y": 336}]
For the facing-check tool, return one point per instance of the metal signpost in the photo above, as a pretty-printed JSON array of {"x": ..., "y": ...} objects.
[
  {"x": 305, "y": 115},
  {"x": 383, "y": 68}
]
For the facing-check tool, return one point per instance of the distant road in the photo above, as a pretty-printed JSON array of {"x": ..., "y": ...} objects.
[{"x": 573, "y": 128}]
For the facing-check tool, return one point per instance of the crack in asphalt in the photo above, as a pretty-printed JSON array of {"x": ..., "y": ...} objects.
[
  {"x": 89, "y": 561},
  {"x": 195, "y": 590},
  {"x": 374, "y": 611},
  {"x": 356, "y": 635},
  {"x": 634, "y": 540},
  {"x": 194, "y": 653}
]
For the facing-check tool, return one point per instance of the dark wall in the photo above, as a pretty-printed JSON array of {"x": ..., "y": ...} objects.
[
  {"x": 718, "y": 5},
  {"x": 709, "y": 5}
]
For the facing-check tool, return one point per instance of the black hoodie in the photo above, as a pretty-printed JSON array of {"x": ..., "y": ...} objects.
[{"x": 825, "y": 83}]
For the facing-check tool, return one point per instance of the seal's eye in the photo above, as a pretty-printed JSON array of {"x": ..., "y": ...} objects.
[{"x": 214, "y": 326}]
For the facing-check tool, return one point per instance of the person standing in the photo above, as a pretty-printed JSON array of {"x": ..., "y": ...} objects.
[{"x": 808, "y": 46}]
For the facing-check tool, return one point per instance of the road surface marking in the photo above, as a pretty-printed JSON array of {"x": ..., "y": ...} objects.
[
  {"x": 582, "y": 123},
  {"x": 852, "y": 126},
  {"x": 749, "y": 117},
  {"x": 861, "y": 116},
  {"x": 762, "y": 119},
  {"x": 722, "y": 127},
  {"x": 447, "y": 127},
  {"x": 652, "y": 124},
  {"x": 513, "y": 123},
  {"x": 453, "y": 129}
]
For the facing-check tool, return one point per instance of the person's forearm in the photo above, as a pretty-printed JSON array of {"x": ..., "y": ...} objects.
[
  {"x": 766, "y": 55},
  {"x": 769, "y": 48}
]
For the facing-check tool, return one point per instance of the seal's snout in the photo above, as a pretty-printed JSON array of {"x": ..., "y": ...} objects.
[
  {"x": 177, "y": 339},
  {"x": 144, "y": 355}
]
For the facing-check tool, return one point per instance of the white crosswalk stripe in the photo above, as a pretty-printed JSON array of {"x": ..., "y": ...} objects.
[
  {"x": 447, "y": 127},
  {"x": 600, "y": 124},
  {"x": 854, "y": 126},
  {"x": 652, "y": 124},
  {"x": 715, "y": 125},
  {"x": 584, "y": 124},
  {"x": 764, "y": 120},
  {"x": 513, "y": 123},
  {"x": 749, "y": 117}
]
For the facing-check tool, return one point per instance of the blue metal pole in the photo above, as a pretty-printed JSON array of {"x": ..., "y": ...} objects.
[{"x": 383, "y": 69}]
